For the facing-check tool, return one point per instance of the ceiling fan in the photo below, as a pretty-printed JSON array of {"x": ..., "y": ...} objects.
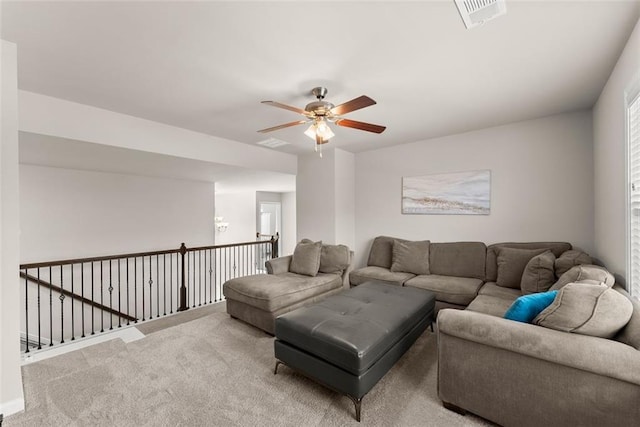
[{"x": 319, "y": 112}]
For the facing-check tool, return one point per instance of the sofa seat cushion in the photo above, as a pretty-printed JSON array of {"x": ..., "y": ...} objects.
[
  {"x": 366, "y": 274},
  {"x": 271, "y": 292},
  {"x": 493, "y": 290},
  {"x": 492, "y": 305},
  {"x": 494, "y": 300},
  {"x": 454, "y": 290}
]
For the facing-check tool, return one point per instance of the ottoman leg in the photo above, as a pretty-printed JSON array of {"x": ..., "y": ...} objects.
[
  {"x": 275, "y": 370},
  {"x": 454, "y": 408},
  {"x": 357, "y": 402}
]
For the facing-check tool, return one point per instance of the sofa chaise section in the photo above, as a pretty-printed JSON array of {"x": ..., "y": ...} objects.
[{"x": 259, "y": 299}]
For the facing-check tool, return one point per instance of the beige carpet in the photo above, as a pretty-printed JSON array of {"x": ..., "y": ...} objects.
[{"x": 215, "y": 370}]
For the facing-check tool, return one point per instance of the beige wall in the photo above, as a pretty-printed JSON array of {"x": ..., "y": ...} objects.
[
  {"x": 541, "y": 184},
  {"x": 11, "y": 396},
  {"x": 610, "y": 160}
]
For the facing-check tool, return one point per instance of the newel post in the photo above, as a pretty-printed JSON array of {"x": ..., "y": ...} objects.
[
  {"x": 183, "y": 284},
  {"x": 274, "y": 245}
]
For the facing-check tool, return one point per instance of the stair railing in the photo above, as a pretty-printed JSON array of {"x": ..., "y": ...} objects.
[{"x": 71, "y": 299}]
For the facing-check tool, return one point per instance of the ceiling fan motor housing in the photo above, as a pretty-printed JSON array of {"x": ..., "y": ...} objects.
[{"x": 319, "y": 108}]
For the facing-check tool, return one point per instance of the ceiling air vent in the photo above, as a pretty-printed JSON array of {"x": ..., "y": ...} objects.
[
  {"x": 272, "y": 143},
  {"x": 477, "y": 12}
]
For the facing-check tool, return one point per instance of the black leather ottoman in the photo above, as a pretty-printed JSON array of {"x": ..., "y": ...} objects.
[{"x": 350, "y": 340}]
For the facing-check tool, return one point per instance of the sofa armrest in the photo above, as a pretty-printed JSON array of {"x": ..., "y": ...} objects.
[
  {"x": 592, "y": 354},
  {"x": 345, "y": 274},
  {"x": 278, "y": 265}
]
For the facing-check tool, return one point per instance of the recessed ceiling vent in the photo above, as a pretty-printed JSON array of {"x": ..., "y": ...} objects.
[
  {"x": 272, "y": 143},
  {"x": 477, "y": 12}
]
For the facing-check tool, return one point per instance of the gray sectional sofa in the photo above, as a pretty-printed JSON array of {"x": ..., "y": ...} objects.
[{"x": 509, "y": 372}]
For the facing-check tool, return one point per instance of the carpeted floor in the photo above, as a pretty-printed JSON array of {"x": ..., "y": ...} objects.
[{"x": 215, "y": 370}]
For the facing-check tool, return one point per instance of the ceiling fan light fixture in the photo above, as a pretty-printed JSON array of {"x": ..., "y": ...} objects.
[
  {"x": 324, "y": 131},
  {"x": 321, "y": 129}
]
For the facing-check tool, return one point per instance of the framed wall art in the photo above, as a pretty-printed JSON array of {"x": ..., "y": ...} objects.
[{"x": 460, "y": 193}]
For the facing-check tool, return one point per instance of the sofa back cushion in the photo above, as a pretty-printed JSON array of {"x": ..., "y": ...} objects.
[
  {"x": 585, "y": 272},
  {"x": 630, "y": 334},
  {"x": 334, "y": 258},
  {"x": 511, "y": 265},
  {"x": 570, "y": 259},
  {"x": 491, "y": 269},
  {"x": 459, "y": 259},
  {"x": 381, "y": 253},
  {"x": 411, "y": 257}
]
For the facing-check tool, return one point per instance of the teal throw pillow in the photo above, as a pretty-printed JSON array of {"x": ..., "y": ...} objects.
[{"x": 527, "y": 307}]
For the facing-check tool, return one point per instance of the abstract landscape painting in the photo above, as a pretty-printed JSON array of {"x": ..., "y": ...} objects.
[{"x": 461, "y": 193}]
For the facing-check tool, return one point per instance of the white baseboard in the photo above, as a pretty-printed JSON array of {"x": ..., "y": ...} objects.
[
  {"x": 12, "y": 407},
  {"x": 127, "y": 334}
]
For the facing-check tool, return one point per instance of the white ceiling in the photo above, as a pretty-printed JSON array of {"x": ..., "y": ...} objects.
[{"x": 206, "y": 66}]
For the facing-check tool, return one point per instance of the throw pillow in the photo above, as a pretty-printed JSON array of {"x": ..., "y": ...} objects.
[
  {"x": 411, "y": 257},
  {"x": 570, "y": 259},
  {"x": 306, "y": 258},
  {"x": 587, "y": 308},
  {"x": 334, "y": 259},
  {"x": 381, "y": 253},
  {"x": 527, "y": 307},
  {"x": 538, "y": 275},
  {"x": 585, "y": 272},
  {"x": 511, "y": 265}
]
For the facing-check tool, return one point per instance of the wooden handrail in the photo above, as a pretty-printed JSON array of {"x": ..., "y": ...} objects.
[
  {"x": 68, "y": 293},
  {"x": 131, "y": 255}
]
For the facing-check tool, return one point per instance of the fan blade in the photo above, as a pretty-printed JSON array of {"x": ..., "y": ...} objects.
[
  {"x": 287, "y": 107},
  {"x": 360, "y": 125},
  {"x": 286, "y": 125},
  {"x": 353, "y": 105}
]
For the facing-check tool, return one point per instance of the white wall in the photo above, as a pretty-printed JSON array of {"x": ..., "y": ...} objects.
[
  {"x": 239, "y": 210},
  {"x": 11, "y": 396},
  {"x": 345, "y": 205},
  {"x": 68, "y": 213},
  {"x": 315, "y": 197},
  {"x": 288, "y": 223},
  {"x": 324, "y": 197},
  {"x": 610, "y": 159},
  {"x": 541, "y": 184},
  {"x": 46, "y": 115}
]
